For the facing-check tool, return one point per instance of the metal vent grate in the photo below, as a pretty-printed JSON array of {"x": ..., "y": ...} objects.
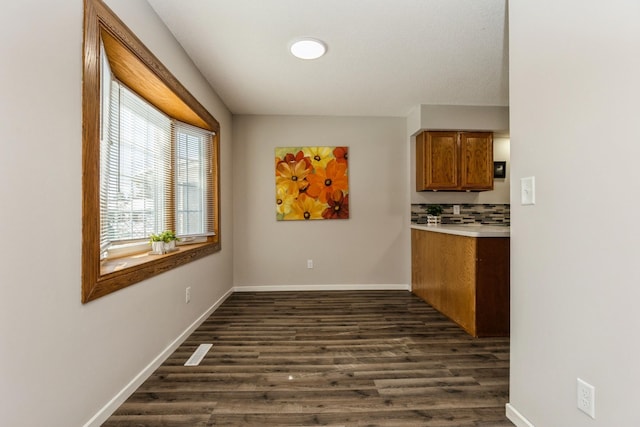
[{"x": 198, "y": 355}]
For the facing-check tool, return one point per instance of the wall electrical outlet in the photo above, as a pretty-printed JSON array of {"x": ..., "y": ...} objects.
[
  {"x": 187, "y": 295},
  {"x": 456, "y": 209},
  {"x": 309, "y": 263},
  {"x": 587, "y": 398}
]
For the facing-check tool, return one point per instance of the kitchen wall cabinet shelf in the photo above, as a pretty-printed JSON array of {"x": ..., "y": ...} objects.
[{"x": 454, "y": 161}]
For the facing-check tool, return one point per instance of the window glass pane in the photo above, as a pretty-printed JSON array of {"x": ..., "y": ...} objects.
[
  {"x": 137, "y": 169},
  {"x": 193, "y": 166}
]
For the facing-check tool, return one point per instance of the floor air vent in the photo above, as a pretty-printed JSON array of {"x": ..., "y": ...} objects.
[{"x": 198, "y": 355}]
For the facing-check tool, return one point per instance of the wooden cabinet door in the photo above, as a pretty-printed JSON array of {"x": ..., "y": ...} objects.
[
  {"x": 442, "y": 152},
  {"x": 476, "y": 166}
]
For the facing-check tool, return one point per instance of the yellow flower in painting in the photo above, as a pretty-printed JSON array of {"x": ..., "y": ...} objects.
[
  {"x": 319, "y": 156},
  {"x": 292, "y": 176},
  {"x": 306, "y": 208},
  {"x": 284, "y": 200}
]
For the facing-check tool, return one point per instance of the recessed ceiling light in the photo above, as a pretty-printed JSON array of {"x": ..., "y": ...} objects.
[{"x": 308, "y": 48}]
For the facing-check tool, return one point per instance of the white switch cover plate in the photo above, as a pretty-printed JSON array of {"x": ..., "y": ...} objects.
[
  {"x": 456, "y": 209},
  {"x": 528, "y": 190}
]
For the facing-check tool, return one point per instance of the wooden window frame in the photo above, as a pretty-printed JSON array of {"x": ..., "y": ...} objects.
[{"x": 139, "y": 69}]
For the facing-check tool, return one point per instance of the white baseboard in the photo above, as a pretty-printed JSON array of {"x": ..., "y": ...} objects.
[
  {"x": 285, "y": 288},
  {"x": 101, "y": 416},
  {"x": 516, "y": 417}
]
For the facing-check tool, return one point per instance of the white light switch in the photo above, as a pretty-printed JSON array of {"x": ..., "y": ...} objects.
[{"x": 528, "y": 190}]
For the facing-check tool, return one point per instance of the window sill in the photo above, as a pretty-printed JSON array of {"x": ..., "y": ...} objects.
[
  {"x": 113, "y": 265},
  {"x": 118, "y": 273}
]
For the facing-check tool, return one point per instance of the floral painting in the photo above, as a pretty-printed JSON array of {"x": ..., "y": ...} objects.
[{"x": 312, "y": 183}]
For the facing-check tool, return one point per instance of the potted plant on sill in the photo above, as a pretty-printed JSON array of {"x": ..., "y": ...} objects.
[
  {"x": 169, "y": 239},
  {"x": 162, "y": 243},
  {"x": 433, "y": 214}
]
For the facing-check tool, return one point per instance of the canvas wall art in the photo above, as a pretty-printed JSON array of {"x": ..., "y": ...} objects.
[{"x": 312, "y": 183}]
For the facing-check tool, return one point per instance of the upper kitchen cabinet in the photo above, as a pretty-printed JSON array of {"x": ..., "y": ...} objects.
[
  {"x": 454, "y": 161},
  {"x": 476, "y": 161}
]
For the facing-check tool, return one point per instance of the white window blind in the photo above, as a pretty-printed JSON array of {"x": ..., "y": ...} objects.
[
  {"x": 136, "y": 169},
  {"x": 194, "y": 178}
]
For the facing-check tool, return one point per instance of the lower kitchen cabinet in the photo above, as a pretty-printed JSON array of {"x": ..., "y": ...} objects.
[{"x": 465, "y": 278}]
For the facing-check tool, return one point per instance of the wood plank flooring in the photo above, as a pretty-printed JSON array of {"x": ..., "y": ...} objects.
[{"x": 344, "y": 358}]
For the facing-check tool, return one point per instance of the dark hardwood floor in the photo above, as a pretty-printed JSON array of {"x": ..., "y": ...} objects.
[{"x": 347, "y": 358}]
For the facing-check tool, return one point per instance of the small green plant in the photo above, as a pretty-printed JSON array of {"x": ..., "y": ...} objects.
[
  {"x": 434, "y": 210},
  {"x": 166, "y": 236},
  {"x": 169, "y": 236},
  {"x": 156, "y": 238}
]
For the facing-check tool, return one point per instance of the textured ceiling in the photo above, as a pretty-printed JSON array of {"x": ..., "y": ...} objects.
[{"x": 385, "y": 56}]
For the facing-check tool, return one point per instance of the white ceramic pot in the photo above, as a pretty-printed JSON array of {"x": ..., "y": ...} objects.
[
  {"x": 157, "y": 248},
  {"x": 169, "y": 246},
  {"x": 432, "y": 219}
]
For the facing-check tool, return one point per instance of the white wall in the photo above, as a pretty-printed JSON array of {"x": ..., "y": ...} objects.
[
  {"x": 61, "y": 361},
  {"x": 458, "y": 117},
  {"x": 369, "y": 248},
  {"x": 575, "y": 281}
]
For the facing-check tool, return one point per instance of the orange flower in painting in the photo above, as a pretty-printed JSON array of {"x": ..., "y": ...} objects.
[
  {"x": 290, "y": 157},
  {"x": 341, "y": 154},
  {"x": 338, "y": 206},
  {"x": 324, "y": 182},
  {"x": 292, "y": 176},
  {"x": 306, "y": 208}
]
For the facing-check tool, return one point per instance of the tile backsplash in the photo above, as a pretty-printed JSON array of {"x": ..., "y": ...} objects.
[{"x": 493, "y": 214}]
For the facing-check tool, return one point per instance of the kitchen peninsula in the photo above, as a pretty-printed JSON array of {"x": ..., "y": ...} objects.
[{"x": 463, "y": 272}]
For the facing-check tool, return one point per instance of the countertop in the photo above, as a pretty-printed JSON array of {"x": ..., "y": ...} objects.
[{"x": 468, "y": 230}]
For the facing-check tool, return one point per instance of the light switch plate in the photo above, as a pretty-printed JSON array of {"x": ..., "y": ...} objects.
[{"x": 528, "y": 190}]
